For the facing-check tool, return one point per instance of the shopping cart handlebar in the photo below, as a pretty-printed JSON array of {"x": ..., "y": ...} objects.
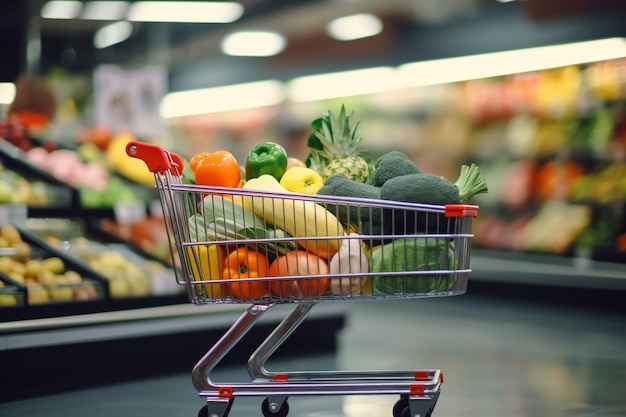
[{"x": 156, "y": 158}]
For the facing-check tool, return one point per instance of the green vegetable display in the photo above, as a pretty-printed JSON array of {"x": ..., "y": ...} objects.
[
  {"x": 414, "y": 254},
  {"x": 266, "y": 158}
]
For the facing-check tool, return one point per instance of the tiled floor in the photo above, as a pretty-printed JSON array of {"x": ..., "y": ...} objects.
[{"x": 500, "y": 359}]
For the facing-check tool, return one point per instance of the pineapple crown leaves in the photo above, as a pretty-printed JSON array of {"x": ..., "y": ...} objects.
[
  {"x": 334, "y": 137},
  {"x": 315, "y": 161}
]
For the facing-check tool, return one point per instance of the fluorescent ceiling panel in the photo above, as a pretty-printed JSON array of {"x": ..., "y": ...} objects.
[
  {"x": 104, "y": 10},
  {"x": 219, "y": 99},
  {"x": 510, "y": 62},
  {"x": 380, "y": 79},
  {"x": 61, "y": 9},
  {"x": 253, "y": 43},
  {"x": 354, "y": 27},
  {"x": 112, "y": 34},
  {"x": 343, "y": 84},
  {"x": 7, "y": 93},
  {"x": 185, "y": 11}
]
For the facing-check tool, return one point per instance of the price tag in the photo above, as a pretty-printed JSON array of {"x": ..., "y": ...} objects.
[{"x": 15, "y": 214}]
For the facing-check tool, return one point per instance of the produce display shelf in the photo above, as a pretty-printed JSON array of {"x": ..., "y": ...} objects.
[
  {"x": 141, "y": 322},
  {"x": 549, "y": 270}
]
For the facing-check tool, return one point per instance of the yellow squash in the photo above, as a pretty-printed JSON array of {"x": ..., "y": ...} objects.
[
  {"x": 299, "y": 218},
  {"x": 206, "y": 265}
]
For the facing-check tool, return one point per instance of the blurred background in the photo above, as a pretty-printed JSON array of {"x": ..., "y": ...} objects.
[{"x": 533, "y": 91}]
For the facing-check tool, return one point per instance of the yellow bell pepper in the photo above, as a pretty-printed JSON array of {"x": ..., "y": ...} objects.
[{"x": 206, "y": 264}]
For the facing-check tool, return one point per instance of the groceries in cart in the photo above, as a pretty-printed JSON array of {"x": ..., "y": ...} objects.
[{"x": 339, "y": 227}]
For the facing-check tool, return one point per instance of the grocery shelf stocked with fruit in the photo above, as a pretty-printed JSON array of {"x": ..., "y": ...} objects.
[
  {"x": 37, "y": 274},
  {"x": 62, "y": 267},
  {"x": 551, "y": 145},
  {"x": 556, "y": 161},
  {"x": 94, "y": 171},
  {"x": 59, "y": 198}
]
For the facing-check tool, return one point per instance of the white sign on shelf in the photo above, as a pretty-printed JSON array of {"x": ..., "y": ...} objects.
[{"x": 15, "y": 214}]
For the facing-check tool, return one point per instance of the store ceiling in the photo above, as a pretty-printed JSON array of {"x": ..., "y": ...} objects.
[{"x": 69, "y": 44}]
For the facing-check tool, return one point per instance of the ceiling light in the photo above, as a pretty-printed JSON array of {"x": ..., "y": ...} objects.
[
  {"x": 104, "y": 10},
  {"x": 511, "y": 62},
  {"x": 253, "y": 43},
  {"x": 7, "y": 93},
  {"x": 185, "y": 11},
  {"x": 61, "y": 9},
  {"x": 219, "y": 99},
  {"x": 112, "y": 34},
  {"x": 354, "y": 27},
  {"x": 343, "y": 84}
]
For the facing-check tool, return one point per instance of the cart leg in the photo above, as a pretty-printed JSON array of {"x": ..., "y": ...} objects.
[
  {"x": 275, "y": 406},
  {"x": 256, "y": 362},
  {"x": 200, "y": 372},
  {"x": 421, "y": 406}
]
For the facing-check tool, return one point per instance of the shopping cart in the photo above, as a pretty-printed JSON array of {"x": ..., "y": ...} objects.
[{"x": 264, "y": 248}]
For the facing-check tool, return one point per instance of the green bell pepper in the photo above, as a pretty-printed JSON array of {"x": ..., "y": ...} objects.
[{"x": 266, "y": 158}]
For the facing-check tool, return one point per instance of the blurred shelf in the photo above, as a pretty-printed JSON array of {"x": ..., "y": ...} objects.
[
  {"x": 112, "y": 347},
  {"x": 534, "y": 269}
]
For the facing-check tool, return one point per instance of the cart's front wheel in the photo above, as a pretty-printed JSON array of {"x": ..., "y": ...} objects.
[
  {"x": 204, "y": 411},
  {"x": 406, "y": 412},
  {"x": 270, "y": 410},
  {"x": 400, "y": 406}
]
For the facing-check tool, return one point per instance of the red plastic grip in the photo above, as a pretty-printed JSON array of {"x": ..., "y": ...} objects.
[
  {"x": 416, "y": 389},
  {"x": 156, "y": 158},
  {"x": 225, "y": 392},
  {"x": 421, "y": 375},
  {"x": 461, "y": 210}
]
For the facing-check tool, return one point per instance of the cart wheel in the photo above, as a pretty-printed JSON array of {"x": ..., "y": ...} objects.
[
  {"x": 399, "y": 406},
  {"x": 281, "y": 412},
  {"x": 406, "y": 411},
  {"x": 204, "y": 411}
]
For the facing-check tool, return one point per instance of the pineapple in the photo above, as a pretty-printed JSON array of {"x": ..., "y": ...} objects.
[{"x": 333, "y": 147}]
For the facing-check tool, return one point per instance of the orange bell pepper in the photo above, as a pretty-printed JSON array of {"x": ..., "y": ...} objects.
[{"x": 245, "y": 263}]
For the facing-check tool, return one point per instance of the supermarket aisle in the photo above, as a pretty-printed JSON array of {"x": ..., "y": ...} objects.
[{"x": 500, "y": 359}]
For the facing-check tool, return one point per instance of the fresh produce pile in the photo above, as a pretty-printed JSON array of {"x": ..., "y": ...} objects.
[
  {"x": 45, "y": 277},
  {"x": 271, "y": 240},
  {"x": 126, "y": 275}
]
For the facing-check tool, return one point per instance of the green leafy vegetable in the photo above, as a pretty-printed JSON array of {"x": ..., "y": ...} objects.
[
  {"x": 414, "y": 254},
  {"x": 470, "y": 182}
]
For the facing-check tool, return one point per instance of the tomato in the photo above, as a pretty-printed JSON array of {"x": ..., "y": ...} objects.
[
  {"x": 299, "y": 263},
  {"x": 246, "y": 263},
  {"x": 218, "y": 168}
]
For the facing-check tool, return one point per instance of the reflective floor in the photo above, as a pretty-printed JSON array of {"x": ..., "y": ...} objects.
[{"x": 500, "y": 359}]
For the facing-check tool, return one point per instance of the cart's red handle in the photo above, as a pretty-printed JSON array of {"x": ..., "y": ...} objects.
[
  {"x": 461, "y": 210},
  {"x": 156, "y": 158}
]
